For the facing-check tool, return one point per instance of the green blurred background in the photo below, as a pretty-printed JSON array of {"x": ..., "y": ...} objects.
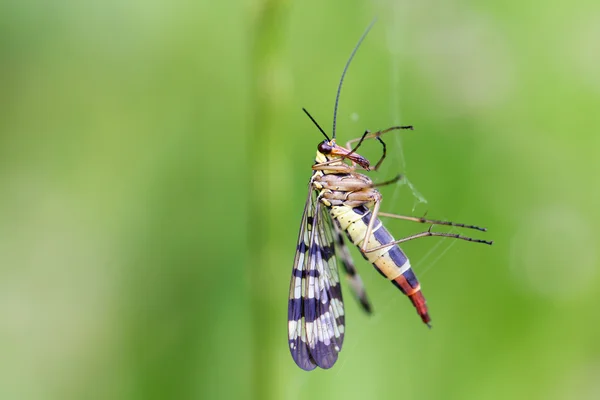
[{"x": 153, "y": 168}]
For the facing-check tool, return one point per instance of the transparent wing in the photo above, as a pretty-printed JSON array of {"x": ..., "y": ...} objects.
[
  {"x": 328, "y": 327},
  {"x": 315, "y": 307},
  {"x": 296, "y": 303}
]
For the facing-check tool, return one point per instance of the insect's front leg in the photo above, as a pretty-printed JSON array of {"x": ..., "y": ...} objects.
[{"x": 375, "y": 135}]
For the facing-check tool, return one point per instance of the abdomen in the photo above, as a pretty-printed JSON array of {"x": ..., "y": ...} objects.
[{"x": 390, "y": 261}]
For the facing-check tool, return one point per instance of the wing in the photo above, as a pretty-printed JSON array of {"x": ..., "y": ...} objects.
[
  {"x": 356, "y": 284},
  {"x": 315, "y": 307},
  {"x": 296, "y": 303}
]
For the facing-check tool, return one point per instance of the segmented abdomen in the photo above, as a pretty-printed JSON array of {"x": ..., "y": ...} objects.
[{"x": 390, "y": 261}]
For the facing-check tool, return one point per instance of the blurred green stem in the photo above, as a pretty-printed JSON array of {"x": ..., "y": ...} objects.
[{"x": 267, "y": 43}]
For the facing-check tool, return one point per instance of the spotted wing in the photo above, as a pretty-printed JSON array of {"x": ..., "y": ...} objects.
[{"x": 315, "y": 307}]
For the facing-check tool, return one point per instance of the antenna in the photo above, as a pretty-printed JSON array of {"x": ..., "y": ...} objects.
[
  {"x": 337, "y": 97},
  {"x": 315, "y": 122}
]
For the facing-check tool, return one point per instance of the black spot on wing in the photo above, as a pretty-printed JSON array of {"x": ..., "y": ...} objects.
[
  {"x": 314, "y": 250},
  {"x": 310, "y": 309},
  {"x": 327, "y": 252},
  {"x": 339, "y": 237},
  {"x": 303, "y": 307},
  {"x": 301, "y": 273},
  {"x": 294, "y": 309},
  {"x": 365, "y": 303},
  {"x": 301, "y": 247},
  {"x": 324, "y": 355},
  {"x": 301, "y": 354},
  {"x": 349, "y": 268},
  {"x": 327, "y": 345}
]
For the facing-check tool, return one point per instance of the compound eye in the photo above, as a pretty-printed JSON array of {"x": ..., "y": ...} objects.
[{"x": 324, "y": 147}]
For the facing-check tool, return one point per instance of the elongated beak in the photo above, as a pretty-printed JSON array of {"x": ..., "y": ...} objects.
[{"x": 355, "y": 157}]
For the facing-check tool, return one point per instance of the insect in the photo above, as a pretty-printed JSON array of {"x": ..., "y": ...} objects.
[{"x": 341, "y": 200}]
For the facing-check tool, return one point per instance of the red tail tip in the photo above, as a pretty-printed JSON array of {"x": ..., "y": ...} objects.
[{"x": 419, "y": 302}]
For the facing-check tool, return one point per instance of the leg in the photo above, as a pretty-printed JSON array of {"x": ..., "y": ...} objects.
[
  {"x": 362, "y": 196},
  {"x": 431, "y": 221},
  {"x": 369, "y": 135},
  {"x": 377, "y": 204},
  {"x": 374, "y": 218},
  {"x": 353, "y": 183},
  {"x": 428, "y": 233},
  {"x": 359, "y": 140},
  {"x": 344, "y": 186},
  {"x": 393, "y": 180},
  {"x": 338, "y": 168},
  {"x": 341, "y": 168}
]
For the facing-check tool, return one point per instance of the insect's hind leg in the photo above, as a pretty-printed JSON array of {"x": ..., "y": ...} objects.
[
  {"x": 426, "y": 234},
  {"x": 423, "y": 220},
  {"x": 376, "y": 199}
]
